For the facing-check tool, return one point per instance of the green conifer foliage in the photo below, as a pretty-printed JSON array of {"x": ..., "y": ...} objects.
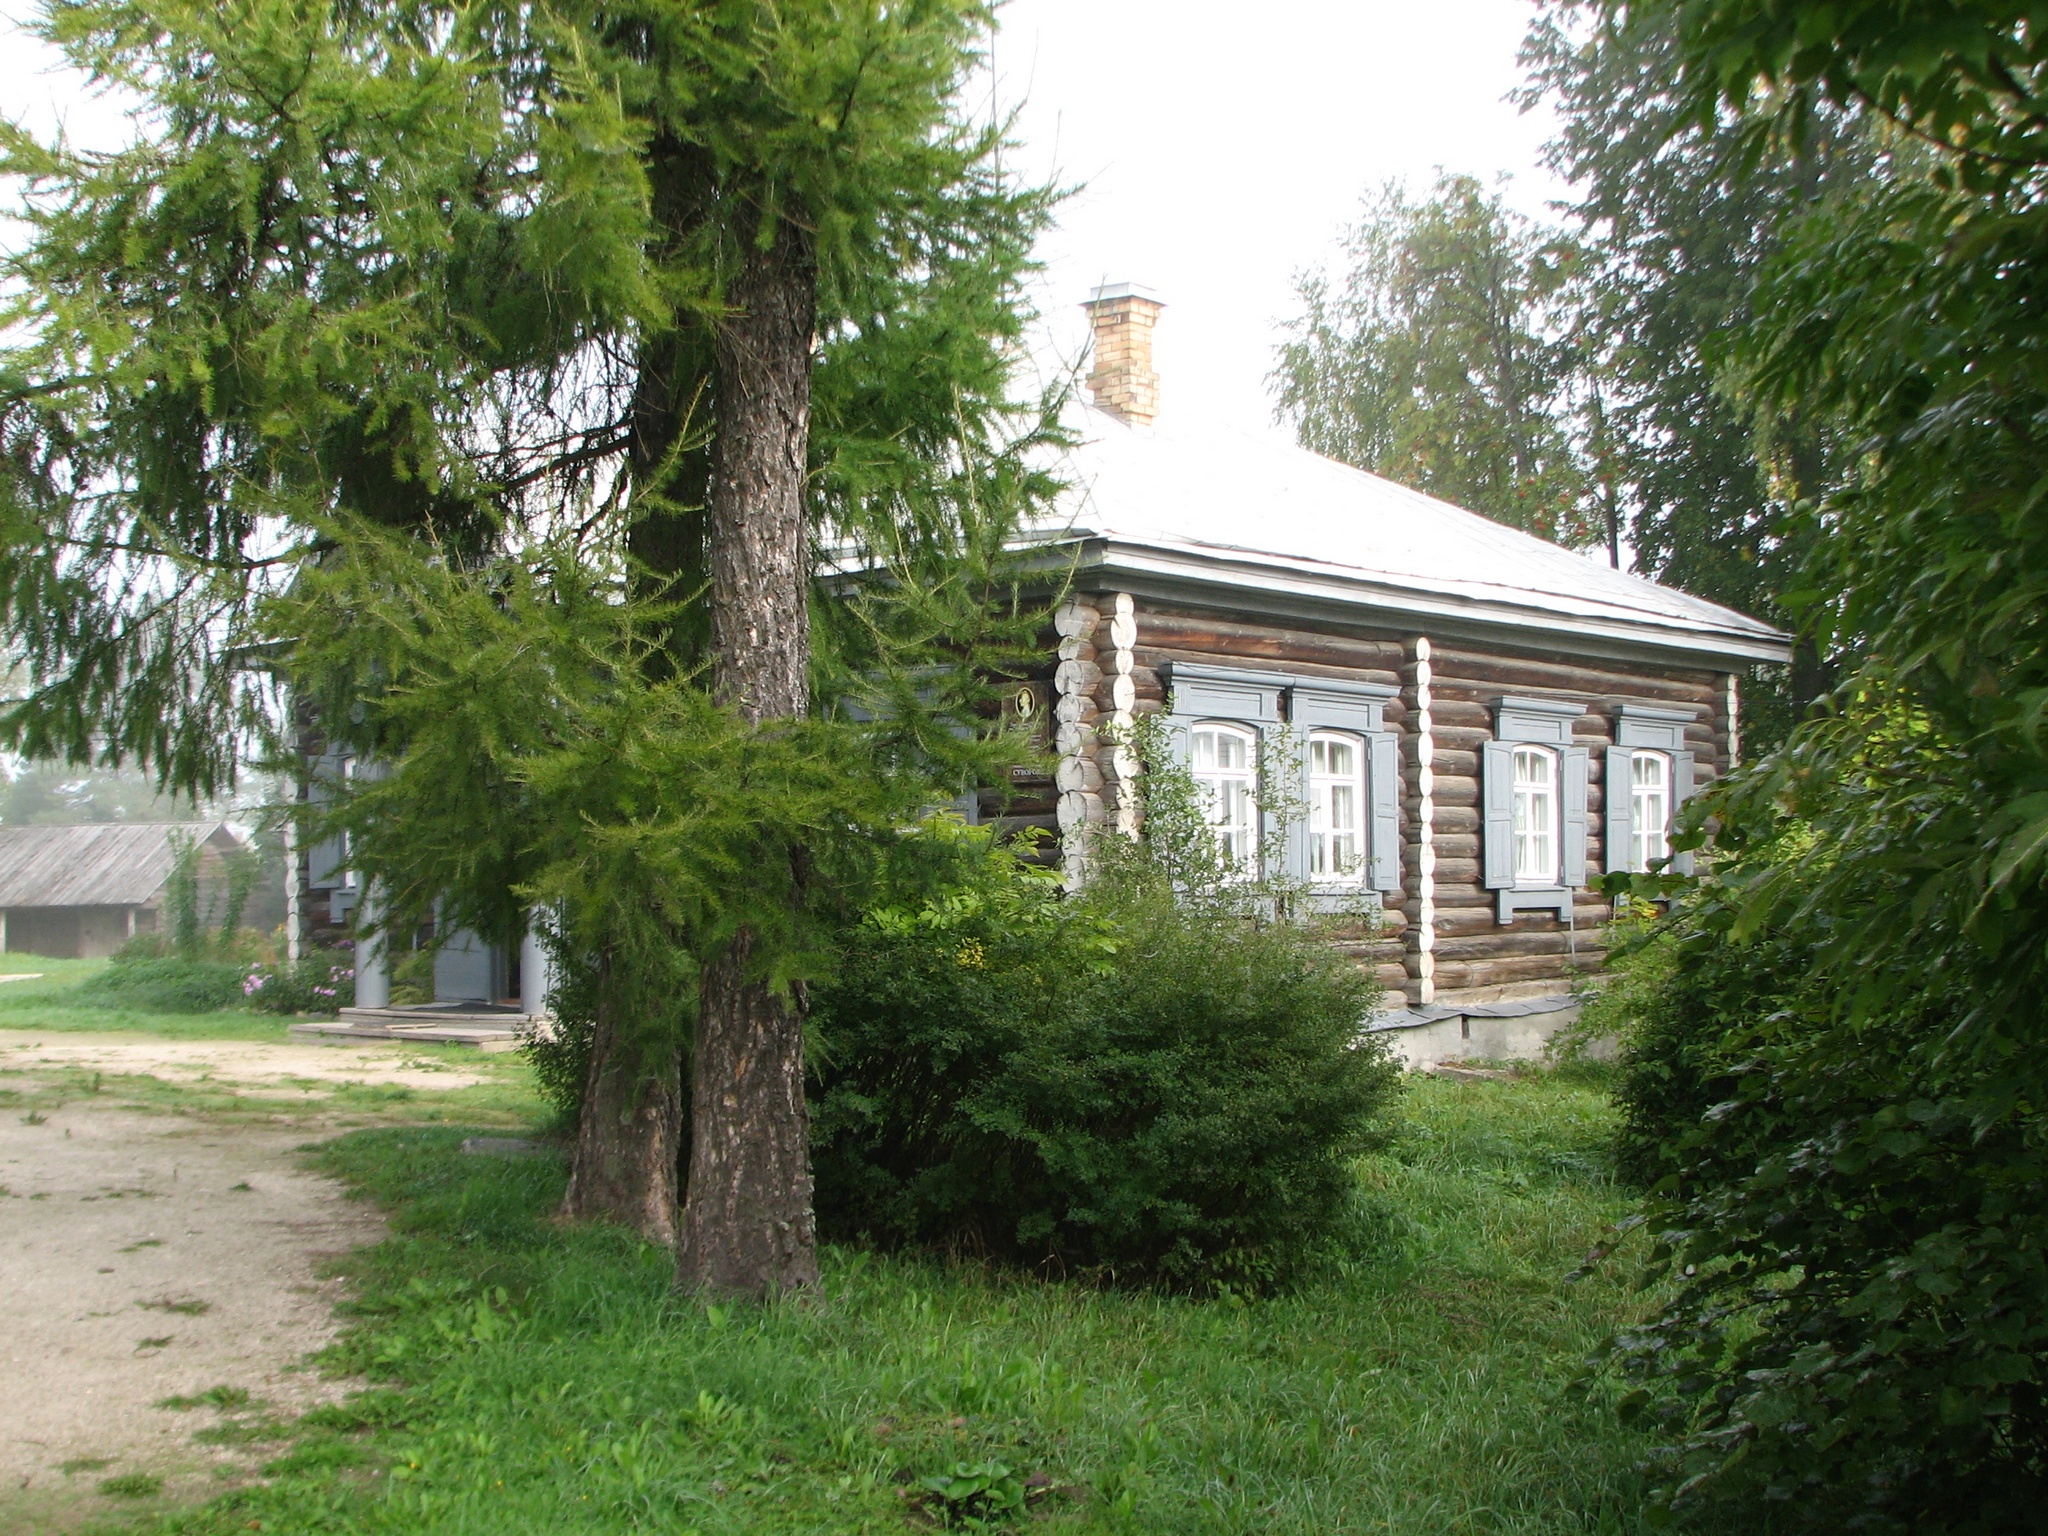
[{"x": 473, "y": 278}]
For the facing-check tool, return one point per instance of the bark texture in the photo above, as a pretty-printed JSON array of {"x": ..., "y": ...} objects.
[
  {"x": 627, "y": 1140},
  {"x": 759, "y": 546},
  {"x": 748, "y": 1227}
]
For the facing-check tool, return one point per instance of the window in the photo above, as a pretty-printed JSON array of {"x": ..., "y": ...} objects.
[
  {"x": 1536, "y": 808},
  {"x": 1649, "y": 809},
  {"x": 1224, "y": 760},
  {"x": 1336, "y": 796}
]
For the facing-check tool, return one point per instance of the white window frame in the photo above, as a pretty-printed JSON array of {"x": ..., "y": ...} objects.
[
  {"x": 1326, "y": 790},
  {"x": 1532, "y": 873},
  {"x": 1238, "y": 841},
  {"x": 1648, "y": 843},
  {"x": 347, "y": 870}
]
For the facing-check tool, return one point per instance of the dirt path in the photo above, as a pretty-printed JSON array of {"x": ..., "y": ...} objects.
[
  {"x": 150, "y": 1255},
  {"x": 251, "y": 1063}
]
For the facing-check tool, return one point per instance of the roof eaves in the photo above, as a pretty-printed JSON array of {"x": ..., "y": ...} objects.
[{"x": 1303, "y": 588}]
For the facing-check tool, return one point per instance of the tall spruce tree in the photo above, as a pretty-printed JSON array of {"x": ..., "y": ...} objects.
[{"x": 488, "y": 277}]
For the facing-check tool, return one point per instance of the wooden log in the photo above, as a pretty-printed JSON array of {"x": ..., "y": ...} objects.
[
  {"x": 1075, "y": 708},
  {"x": 1457, "y": 821},
  {"x": 1076, "y": 617},
  {"x": 1077, "y": 677},
  {"x": 1509, "y": 943},
  {"x": 1080, "y": 808},
  {"x": 1458, "y": 662},
  {"x": 1448, "y": 712},
  {"x": 1463, "y": 975},
  {"x": 1222, "y": 637},
  {"x": 1080, "y": 773},
  {"x": 1455, "y": 900},
  {"x": 1455, "y": 789},
  {"x": 1276, "y": 652},
  {"x": 1451, "y": 736}
]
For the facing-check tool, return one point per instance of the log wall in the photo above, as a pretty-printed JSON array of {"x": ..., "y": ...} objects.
[{"x": 1109, "y": 671}]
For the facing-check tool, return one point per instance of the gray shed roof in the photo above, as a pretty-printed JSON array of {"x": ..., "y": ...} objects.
[
  {"x": 107, "y": 864},
  {"x": 1182, "y": 508}
]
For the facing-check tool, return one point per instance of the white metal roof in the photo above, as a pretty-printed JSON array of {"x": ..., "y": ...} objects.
[{"x": 1215, "y": 506}]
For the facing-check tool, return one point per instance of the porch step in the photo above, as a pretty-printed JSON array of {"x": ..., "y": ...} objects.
[{"x": 483, "y": 1026}]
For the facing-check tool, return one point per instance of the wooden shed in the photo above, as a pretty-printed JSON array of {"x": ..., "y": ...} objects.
[
  {"x": 82, "y": 892},
  {"x": 1481, "y": 722}
]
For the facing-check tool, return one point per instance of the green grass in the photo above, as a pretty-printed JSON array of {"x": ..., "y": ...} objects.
[
  {"x": 538, "y": 1379},
  {"x": 505, "y": 1100},
  {"x": 132, "y": 1485},
  {"x": 53, "y": 1004}
]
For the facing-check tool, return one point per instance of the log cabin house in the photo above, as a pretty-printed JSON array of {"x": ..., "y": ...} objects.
[{"x": 1481, "y": 722}]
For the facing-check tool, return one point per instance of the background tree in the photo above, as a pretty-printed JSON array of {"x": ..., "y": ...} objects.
[
  {"x": 1677, "y": 217},
  {"x": 1435, "y": 359},
  {"x": 492, "y": 277}
]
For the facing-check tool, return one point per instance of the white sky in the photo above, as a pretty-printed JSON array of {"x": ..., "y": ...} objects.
[{"x": 1222, "y": 147}]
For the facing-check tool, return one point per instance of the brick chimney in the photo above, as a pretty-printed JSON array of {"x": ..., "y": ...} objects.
[{"x": 1122, "y": 380}]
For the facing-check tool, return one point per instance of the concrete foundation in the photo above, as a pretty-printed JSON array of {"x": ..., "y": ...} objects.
[{"x": 1519, "y": 1030}]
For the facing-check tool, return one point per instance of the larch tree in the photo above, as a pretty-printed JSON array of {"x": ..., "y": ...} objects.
[{"x": 702, "y": 285}]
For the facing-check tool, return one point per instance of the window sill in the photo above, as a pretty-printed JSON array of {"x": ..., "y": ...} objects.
[
  {"x": 1534, "y": 898},
  {"x": 1335, "y": 898}
]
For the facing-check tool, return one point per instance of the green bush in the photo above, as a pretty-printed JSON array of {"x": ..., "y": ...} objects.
[
  {"x": 1856, "y": 1223},
  {"x": 322, "y": 982},
  {"x": 1682, "y": 1010},
  {"x": 167, "y": 985},
  {"x": 1142, "y": 1085}
]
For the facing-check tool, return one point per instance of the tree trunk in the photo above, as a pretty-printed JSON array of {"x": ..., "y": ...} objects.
[
  {"x": 748, "y": 1227},
  {"x": 668, "y": 451},
  {"x": 628, "y": 1141},
  {"x": 628, "y": 1136}
]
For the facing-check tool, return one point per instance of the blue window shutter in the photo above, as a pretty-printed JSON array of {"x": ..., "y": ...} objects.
[
  {"x": 1383, "y": 787},
  {"x": 1681, "y": 791},
  {"x": 1497, "y": 807},
  {"x": 324, "y": 858},
  {"x": 1180, "y": 744},
  {"x": 1619, "y": 816},
  {"x": 1577, "y": 766},
  {"x": 1296, "y": 853}
]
